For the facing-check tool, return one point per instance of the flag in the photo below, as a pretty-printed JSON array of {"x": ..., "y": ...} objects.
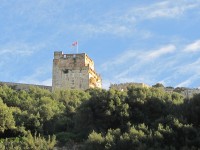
[{"x": 75, "y": 43}]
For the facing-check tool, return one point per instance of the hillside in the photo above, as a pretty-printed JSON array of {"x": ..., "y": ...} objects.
[{"x": 143, "y": 118}]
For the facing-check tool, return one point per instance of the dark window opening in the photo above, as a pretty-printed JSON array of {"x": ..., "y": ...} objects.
[{"x": 66, "y": 71}]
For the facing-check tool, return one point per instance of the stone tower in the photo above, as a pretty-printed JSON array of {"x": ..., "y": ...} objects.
[{"x": 74, "y": 71}]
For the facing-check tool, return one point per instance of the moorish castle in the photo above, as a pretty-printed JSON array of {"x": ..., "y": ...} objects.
[
  {"x": 74, "y": 71},
  {"x": 70, "y": 71},
  {"x": 77, "y": 71}
]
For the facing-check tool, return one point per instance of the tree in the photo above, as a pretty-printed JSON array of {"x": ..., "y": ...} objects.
[
  {"x": 104, "y": 110},
  {"x": 180, "y": 89},
  {"x": 158, "y": 85},
  {"x": 6, "y": 118}
]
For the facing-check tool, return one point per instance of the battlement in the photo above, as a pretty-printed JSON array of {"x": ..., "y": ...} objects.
[
  {"x": 60, "y": 55},
  {"x": 73, "y": 60}
]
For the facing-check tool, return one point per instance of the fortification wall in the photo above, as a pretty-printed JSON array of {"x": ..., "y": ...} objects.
[
  {"x": 124, "y": 86},
  {"x": 21, "y": 86}
]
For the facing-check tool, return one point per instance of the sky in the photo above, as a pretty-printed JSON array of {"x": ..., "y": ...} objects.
[{"x": 155, "y": 41}]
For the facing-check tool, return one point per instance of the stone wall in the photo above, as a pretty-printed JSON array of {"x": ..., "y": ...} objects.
[
  {"x": 21, "y": 86},
  {"x": 124, "y": 86}
]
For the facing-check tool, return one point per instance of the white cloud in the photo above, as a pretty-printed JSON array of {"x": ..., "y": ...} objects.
[
  {"x": 122, "y": 58},
  {"x": 140, "y": 66},
  {"x": 193, "y": 47},
  {"x": 37, "y": 77},
  {"x": 182, "y": 73},
  {"x": 113, "y": 21},
  {"x": 123, "y": 23},
  {"x": 184, "y": 83},
  {"x": 188, "y": 81},
  {"x": 191, "y": 68},
  {"x": 168, "y": 64},
  {"x": 158, "y": 53},
  {"x": 103, "y": 28},
  {"x": 19, "y": 49},
  {"x": 144, "y": 64},
  {"x": 166, "y": 9},
  {"x": 140, "y": 56},
  {"x": 10, "y": 52}
]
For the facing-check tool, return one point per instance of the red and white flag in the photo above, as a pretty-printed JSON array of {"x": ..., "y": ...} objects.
[{"x": 75, "y": 43}]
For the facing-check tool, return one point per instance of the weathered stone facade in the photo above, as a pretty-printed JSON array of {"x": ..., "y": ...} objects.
[
  {"x": 22, "y": 86},
  {"x": 74, "y": 71},
  {"x": 124, "y": 86}
]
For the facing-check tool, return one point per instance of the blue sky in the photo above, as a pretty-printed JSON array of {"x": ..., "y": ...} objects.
[{"x": 130, "y": 41}]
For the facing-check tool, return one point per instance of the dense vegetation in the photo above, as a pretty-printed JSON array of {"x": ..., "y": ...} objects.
[{"x": 140, "y": 118}]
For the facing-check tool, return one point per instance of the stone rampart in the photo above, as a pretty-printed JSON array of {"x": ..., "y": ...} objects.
[{"x": 21, "y": 86}]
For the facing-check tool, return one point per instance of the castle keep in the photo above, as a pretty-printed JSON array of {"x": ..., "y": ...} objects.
[{"x": 74, "y": 71}]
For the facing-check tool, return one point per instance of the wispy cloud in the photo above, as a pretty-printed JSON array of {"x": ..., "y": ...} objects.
[
  {"x": 10, "y": 52},
  {"x": 157, "y": 53},
  {"x": 140, "y": 56},
  {"x": 122, "y": 58},
  {"x": 103, "y": 28},
  {"x": 193, "y": 47},
  {"x": 186, "y": 82},
  {"x": 18, "y": 49},
  {"x": 165, "y": 9},
  {"x": 168, "y": 64},
  {"x": 123, "y": 23},
  {"x": 36, "y": 76},
  {"x": 189, "y": 81},
  {"x": 113, "y": 21},
  {"x": 183, "y": 73},
  {"x": 169, "y": 9},
  {"x": 141, "y": 24},
  {"x": 146, "y": 59}
]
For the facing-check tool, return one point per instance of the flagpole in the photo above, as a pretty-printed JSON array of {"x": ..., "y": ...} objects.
[{"x": 77, "y": 47}]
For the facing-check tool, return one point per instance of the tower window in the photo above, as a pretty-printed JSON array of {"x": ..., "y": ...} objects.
[{"x": 65, "y": 71}]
